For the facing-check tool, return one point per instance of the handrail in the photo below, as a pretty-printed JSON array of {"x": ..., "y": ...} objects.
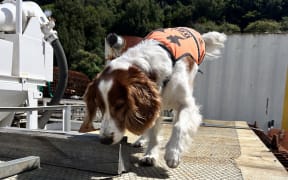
[
  {"x": 56, "y": 107},
  {"x": 66, "y": 111}
]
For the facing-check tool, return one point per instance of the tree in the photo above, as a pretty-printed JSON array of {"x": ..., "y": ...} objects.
[
  {"x": 88, "y": 63},
  {"x": 284, "y": 24},
  {"x": 211, "y": 10},
  {"x": 243, "y": 12},
  {"x": 94, "y": 31},
  {"x": 205, "y": 26},
  {"x": 240, "y": 12},
  {"x": 260, "y": 26},
  {"x": 178, "y": 14},
  {"x": 270, "y": 9},
  {"x": 137, "y": 17},
  {"x": 229, "y": 28},
  {"x": 70, "y": 16}
]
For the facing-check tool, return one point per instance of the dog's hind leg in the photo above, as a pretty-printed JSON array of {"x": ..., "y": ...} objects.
[
  {"x": 187, "y": 121},
  {"x": 152, "y": 151}
]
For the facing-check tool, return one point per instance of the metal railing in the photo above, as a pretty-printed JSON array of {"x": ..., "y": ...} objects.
[{"x": 66, "y": 112}]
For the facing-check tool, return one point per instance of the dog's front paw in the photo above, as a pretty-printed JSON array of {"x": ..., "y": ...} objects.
[
  {"x": 86, "y": 128},
  {"x": 172, "y": 158},
  {"x": 148, "y": 160}
]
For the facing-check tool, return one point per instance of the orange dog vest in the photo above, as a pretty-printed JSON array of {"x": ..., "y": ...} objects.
[{"x": 181, "y": 41}]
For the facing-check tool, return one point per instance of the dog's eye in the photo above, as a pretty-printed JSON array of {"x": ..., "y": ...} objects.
[{"x": 119, "y": 104}]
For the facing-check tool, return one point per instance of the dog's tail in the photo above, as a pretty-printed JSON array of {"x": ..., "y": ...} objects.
[{"x": 214, "y": 41}]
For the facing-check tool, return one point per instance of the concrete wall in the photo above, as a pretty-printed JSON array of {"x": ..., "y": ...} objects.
[{"x": 248, "y": 82}]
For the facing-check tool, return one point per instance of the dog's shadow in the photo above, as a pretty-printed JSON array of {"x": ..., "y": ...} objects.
[{"x": 140, "y": 170}]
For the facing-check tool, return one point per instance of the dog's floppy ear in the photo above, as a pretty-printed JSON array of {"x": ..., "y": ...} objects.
[
  {"x": 91, "y": 106},
  {"x": 144, "y": 99}
]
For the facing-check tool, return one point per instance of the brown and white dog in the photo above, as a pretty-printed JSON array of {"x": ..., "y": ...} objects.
[{"x": 147, "y": 78}]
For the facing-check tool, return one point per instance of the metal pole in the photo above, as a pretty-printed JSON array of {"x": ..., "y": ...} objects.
[
  {"x": 17, "y": 43},
  {"x": 19, "y": 17},
  {"x": 32, "y": 116},
  {"x": 66, "y": 119}
]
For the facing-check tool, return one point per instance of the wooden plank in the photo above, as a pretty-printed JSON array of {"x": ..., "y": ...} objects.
[
  {"x": 79, "y": 151},
  {"x": 16, "y": 166},
  {"x": 256, "y": 160}
]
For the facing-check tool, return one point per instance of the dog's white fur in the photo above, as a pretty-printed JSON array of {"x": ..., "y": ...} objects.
[{"x": 176, "y": 95}]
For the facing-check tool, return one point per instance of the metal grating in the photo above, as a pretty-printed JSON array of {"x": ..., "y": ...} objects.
[
  {"x": 211, "y": 156},
  {"x": 273, "y": 145},
  {"x": 282, "y": 156}
]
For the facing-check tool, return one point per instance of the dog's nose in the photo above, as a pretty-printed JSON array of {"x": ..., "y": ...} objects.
[{"x": 108, "y": 140}]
